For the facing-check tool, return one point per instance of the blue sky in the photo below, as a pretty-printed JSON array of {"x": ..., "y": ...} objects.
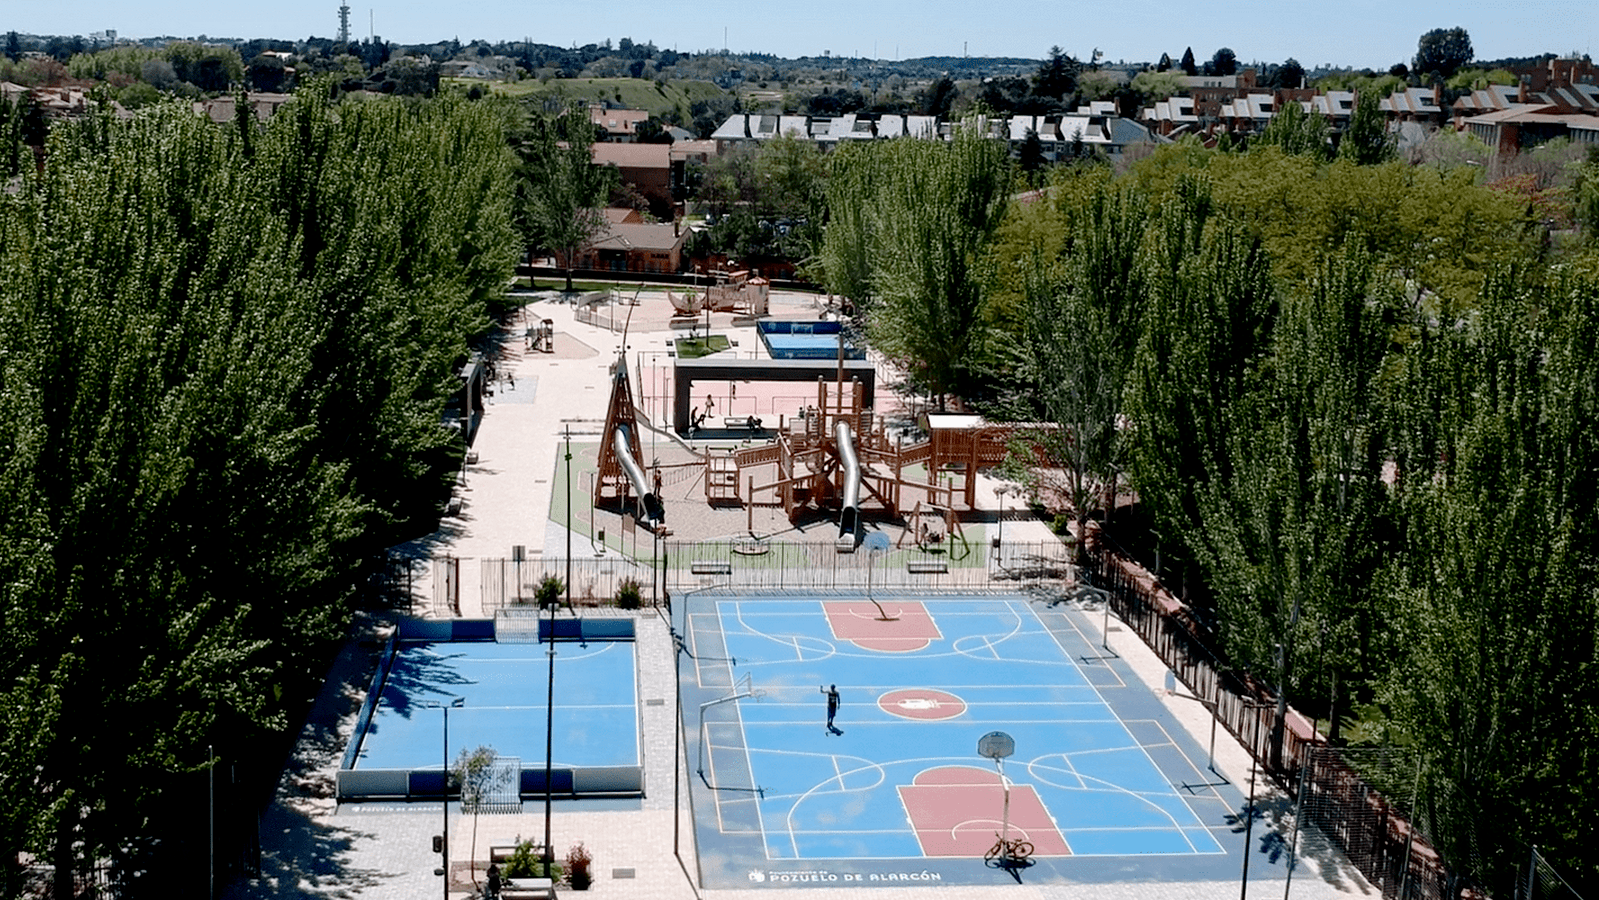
[{"x": 1358, "y": 33}]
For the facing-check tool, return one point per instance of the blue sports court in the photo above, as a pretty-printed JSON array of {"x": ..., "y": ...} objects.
[{"x": 1103, "y": 784}]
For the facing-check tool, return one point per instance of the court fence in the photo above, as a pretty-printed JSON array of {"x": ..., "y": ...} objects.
[{"x": 748, "y": 564}]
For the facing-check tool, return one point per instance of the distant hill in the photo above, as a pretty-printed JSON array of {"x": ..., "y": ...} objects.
[{"x": 628, "y": 93}]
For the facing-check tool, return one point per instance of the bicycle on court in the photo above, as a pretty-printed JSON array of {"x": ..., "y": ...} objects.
[{"x": 1008, "y": 851}]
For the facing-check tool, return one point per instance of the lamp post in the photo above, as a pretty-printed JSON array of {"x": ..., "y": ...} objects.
[
  {"x": 1249, "y": 811},
  {"x": 1001, "y": 492},
  {"x": 444, "y": 847},
  {"x": 568, "y": 517},
  {"x": 549, "y": 704}
]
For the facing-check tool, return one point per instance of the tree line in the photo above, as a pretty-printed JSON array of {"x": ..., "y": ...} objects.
[
  {"x": 1348, "y": 404},
  {"x": 225, "y": 354}
]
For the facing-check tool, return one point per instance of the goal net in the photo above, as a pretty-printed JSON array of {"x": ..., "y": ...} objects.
[
  {"x": 516, "y": 626},
  {"x": 497, "y": 788}
]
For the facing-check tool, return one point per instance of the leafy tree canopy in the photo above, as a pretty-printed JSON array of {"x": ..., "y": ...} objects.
[
  {"x": 1441, "y": 51},
  {"x": 1225, "y": 62},
  {"x": 1057, "y": 76}
]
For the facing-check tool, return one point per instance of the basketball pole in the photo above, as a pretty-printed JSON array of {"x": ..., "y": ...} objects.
[{"x": 1004, "y": 822}]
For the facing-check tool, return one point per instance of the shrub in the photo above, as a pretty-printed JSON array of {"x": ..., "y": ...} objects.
[
  {"x": 578, "y": 860},
  {"x": 526, "y": 863},
  {"x": 548, "y": 593},
  {"x": 627, "y": 594}
]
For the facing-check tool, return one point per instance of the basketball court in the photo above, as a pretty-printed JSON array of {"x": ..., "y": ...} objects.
[{"x": 1103, "y": 785}]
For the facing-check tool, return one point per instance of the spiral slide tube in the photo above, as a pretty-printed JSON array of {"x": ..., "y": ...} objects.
[
  {"x": 849, "y": 519},
  {"x": 622, "y": 443}
]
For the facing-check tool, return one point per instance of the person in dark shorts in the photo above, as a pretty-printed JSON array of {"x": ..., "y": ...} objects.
[{"x": 832, "y": 707}]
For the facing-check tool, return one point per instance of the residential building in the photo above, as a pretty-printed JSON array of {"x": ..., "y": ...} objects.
[
  {"x": 224, "y": 107},
  {"x": 1104, "y": 131},
  {"x": 629, "y": 245},
  {"x": 647, "y": 167},
  {"x": 1414, "y": 104},
  {"x": 621, "y": 125}
]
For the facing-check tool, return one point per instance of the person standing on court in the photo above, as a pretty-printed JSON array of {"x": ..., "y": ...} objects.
[{"x": 832, "y": 707}]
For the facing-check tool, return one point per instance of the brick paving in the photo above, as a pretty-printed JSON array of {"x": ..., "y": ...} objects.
[{"x": 315, "y": 849}]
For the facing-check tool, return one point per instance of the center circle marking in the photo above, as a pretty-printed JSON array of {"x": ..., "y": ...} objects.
[{"x": 925, "y": 704}]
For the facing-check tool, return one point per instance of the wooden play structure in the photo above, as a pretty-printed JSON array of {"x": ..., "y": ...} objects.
[
  {"x": 833, "y": 456},
  {"x": 620, "y": 474},
  {"x": 805, "y": 468},
  {"x": 960, "y": 445},
  {"x": 734, "y": 292}
]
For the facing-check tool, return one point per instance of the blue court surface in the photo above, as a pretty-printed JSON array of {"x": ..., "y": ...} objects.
[
  {"x": 1103, "y": 784},
  {"x": 504, "y": 687}
]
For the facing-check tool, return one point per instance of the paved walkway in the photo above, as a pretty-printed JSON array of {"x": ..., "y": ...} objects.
[{"x": 311, "y": 848}]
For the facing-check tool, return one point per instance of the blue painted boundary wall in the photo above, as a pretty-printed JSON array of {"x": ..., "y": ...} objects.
[{"x": 428, "y": 784}]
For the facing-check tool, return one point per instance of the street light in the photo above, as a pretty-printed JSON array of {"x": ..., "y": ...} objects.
[
  {"x": 1002, "y": 492},
  {"x": 549, "y": 703},
  {"x": 444, "y": 846},
  {"x": 1255, "y": 706}
]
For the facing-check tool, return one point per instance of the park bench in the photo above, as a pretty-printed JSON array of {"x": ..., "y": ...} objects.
[{"x": 927, "y": 566}]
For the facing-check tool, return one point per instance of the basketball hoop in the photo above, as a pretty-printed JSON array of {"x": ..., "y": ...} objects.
[
  {"x": 996, "y": 745},
  {"x": 876, "y": 542}
]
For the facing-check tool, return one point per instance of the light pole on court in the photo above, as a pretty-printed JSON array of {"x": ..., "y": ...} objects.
[
  {"x": 1001, "y": 492},
  {"x": 1255, "y": 707},
  {"x": 444, "y": 843}
]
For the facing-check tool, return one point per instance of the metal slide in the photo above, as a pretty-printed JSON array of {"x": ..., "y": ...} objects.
[
  {"x": 849, "y": 519},
  {"x": 622, "y": 443}
]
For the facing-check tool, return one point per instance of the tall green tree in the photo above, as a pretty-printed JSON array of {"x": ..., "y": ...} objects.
[
  {"x": 1291, "y": 536},
  {"x": 1081, "y": 327},
  {"x": 1203, "y": 343},
  {"x": 1442, "y": 51},
  {"x": 1224, "y": 62},
  {"x": 935, "y": 207},
  {"x": 1497, "y": 677},
  {"x": 1297, "y": 132},
  {"x": 224, "y": 373},
  {"x": 561, "y": 193},
  {"x": 1057, "y": 75},
  {"x": 847, "y": 255},
  {"x": 1366, "y": 141},
  {"x": 938, "y": 97}
]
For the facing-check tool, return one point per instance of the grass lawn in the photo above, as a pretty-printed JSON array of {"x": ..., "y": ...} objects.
[
  {"x": 578, "y": 285},
  {"x": 696, "y": 347}
]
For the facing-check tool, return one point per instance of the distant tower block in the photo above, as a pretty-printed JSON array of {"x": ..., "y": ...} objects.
[{"x": 344, "y": 24}]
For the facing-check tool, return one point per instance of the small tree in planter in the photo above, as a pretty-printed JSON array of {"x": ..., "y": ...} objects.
[
  {"x": 548, "y": 593},
  {"x": 480, "y": 780},
  {"x": 627, "y": 594},
  {"x": 528, "y": 862},
  {"x": 578, "y": 860}
]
